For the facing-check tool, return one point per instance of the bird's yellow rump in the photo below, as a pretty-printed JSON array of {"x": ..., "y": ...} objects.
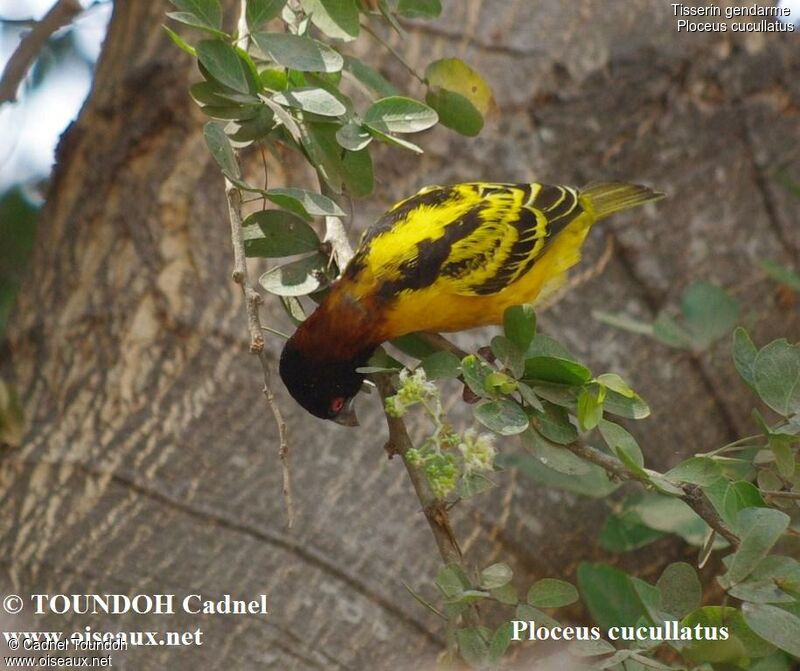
[{"x": 448, "y": 258}]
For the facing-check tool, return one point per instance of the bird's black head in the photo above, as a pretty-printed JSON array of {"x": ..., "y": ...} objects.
[{"x": 324, "y": 388}]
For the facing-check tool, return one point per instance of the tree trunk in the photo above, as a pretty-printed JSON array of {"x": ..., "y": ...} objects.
[{"x": 149, "y": 463}]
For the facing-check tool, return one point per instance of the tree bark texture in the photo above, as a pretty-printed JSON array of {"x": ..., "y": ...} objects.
[{"x": 150, "y": 464}]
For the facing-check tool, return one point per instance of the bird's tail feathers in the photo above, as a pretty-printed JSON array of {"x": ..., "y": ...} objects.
[{"x": 609, "y": 197}]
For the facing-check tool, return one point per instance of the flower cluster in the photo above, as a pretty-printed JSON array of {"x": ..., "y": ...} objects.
[
  {"x": 477, "y": 451},
  {"x": 414, "y": 388},
  {"x": 445, "y": 456}
]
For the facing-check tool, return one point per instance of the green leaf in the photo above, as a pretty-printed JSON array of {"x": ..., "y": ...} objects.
[
  {"x": 258, "y": 12},
  {"x": 590, "y": 648},
  {"x": 299, "y": 53},
  {"x": 553, "y": 456},
  {"x": 357, "y": 172},
  {"x": 419, "y": 9},
  {"x": 501, "y": 639},
  {"x": 776, "y": 371},
  {"x": 519, "y": 325},
  {"x": 372, "y": 79},
  {"x": 769, "y": 579},
  {"x": 773, "y": 624},
  {"x": 680, "y": 589},
  {"x": 624, "y": 322},
  {"x": 594, "y": 484},
  {"x": 207, "y": 12},
  {"x": 471, "y": 484},
  {"x": 781, "y": 273},
  {"x": 556, "y": 370},
  {"x": 191, "y": 20},
  {"x": 336, "y": 18},
  {"x": 738, "y": 496},
  {"x": 741, "y": 642},
  {"x": 179, "y": 42},
  {"x": 314, "y": 100},
  {"x": 696, "y": 470},
  {"x": 351, "y": 169},
  {"x": 398, "y": 114},
  {"x": 413, "y": 345},
  {"x": 553, "y": 423},
  {"x": 710, "y": 312},
  {"x": 551, "y": 593},
  {"x": 609, "y": 595},
  {"x": 297, "y": 278},
  {"x": 352, "y": 136},
  {"x": 528, "y": 613},
  {"x": 625, "y": 531},
  {"x": 784, "y": 455},
  {"x": 620, "y": 441},
  {"x": 506, "y": 594},
  {"x": 226, "y": 65},
  {"x": 475, "y": 370},
  {"x": 455, "y": 76},
  {"x": 668, "y": 331},
  {"x": 670, "y": 515},
  {"x": 590, "y": 407},
  {"x": 495, "y": 576},
  {"x": 760, "y": 529},
  {"x": 744, "y": 356},
  {"x": 394, "y": 140},
  {"x": 220, "y": 147},
  {"x": 451, "y": 581},
  {"x": 509, "y": 354},
  {"x": 632, "y": 408},
  {"x": 472, "y": 647},
  {"x": 276, "y": 233},
  {"x": 615, "y": 383},
  {"x": 250, "y": 130},
  {"x": 304, "y": 202},
  {"x": 455, "y": 111},
  {"x": 441, "y": 365},
  {"x": 503, "y": 416}
]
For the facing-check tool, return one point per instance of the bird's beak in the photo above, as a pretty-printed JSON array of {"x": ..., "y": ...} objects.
[{"x": 347, "y": 416}]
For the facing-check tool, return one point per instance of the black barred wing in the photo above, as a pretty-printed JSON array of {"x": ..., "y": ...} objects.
[
  {"x": 518, "y": 222},
  {"x": 475, "y": 238}
]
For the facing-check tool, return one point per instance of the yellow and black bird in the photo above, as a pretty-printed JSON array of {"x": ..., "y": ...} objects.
[{"x": 447, "y": 259}]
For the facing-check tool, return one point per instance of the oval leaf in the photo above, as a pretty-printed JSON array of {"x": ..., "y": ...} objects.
[
  {"x": 220, "y": 147},
  {"x": 456, "y": 76},
  {"x": 258, "y": 12},
  {"x": 336, "y": 18},
  {"x": 207, "y": 12},
  {"x": 551, "y": 593},
  {"x": 299, "y": 53},
  {"x": 775, "y": 625},
  {"x": 226, "y": 65},
  {"x": 314, "y": 100},
  {"x": 398, "y": 114},
  {"x": 556, "y": 370},
  {"x": 275, "y": 233},
  {"x": 297, "y": 278},
  {"x": 503, "y": 417},
  {"x": 776, "y": 371},
  {"x": 311, "y": 203}
]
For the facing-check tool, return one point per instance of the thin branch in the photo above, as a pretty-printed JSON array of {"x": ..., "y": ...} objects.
[
  {"x": 435, "y": 509},
  {"x": 441, "y": 343},
  {"x": 29, "y": 47},
  {"x": 392, "y": 51},
  {"x": 778, "y": 494},
  {"x": 693, "y": 495},
  {"x": 252, "y": 300}
]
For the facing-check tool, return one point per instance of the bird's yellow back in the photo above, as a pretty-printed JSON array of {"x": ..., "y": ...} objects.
[{"x": 455, "y": 257}]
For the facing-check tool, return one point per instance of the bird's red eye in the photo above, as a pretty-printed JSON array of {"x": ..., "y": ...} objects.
[{"x": 337, "y": 404}]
